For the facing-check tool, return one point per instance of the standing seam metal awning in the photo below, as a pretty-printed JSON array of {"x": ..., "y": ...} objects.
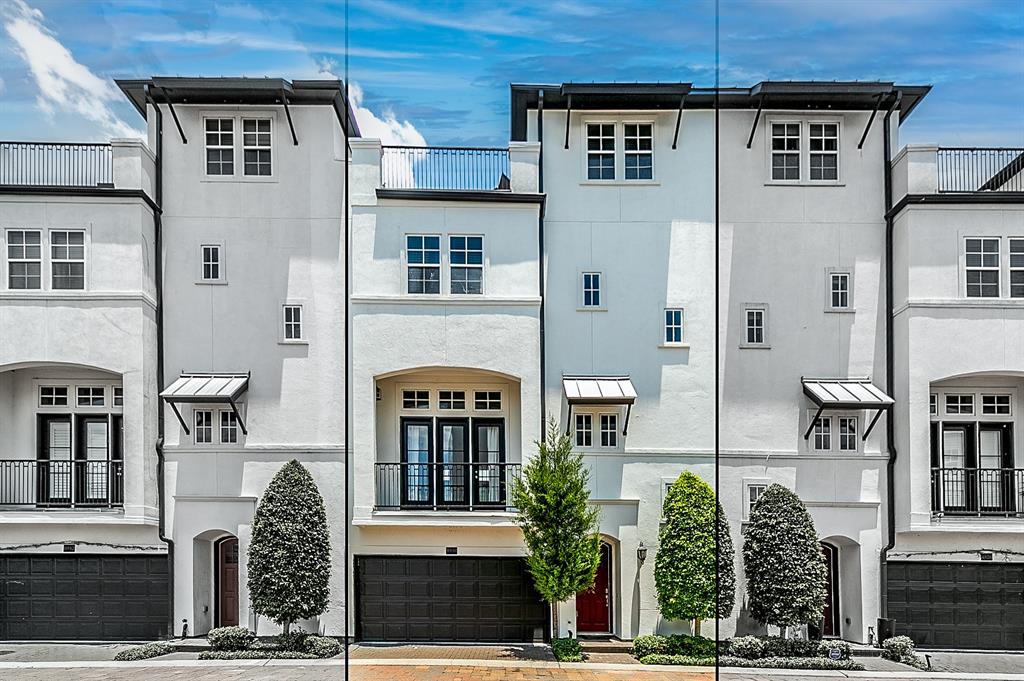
[
  {"x": 207, "y": 389},
  {"x": 614, "y": 390},
  {"x": 845, "y": 393}
]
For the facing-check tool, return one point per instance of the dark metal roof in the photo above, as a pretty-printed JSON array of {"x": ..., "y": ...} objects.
[{"x": 255, "y": 91}]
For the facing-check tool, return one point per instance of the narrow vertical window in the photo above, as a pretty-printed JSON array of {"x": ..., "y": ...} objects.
[
  {"x": 118, "y": 397},
  {"x": 785, "y": 151},
  {"x": 1017, "y": 268},
  {"x": 228, "y": 427},
  {"x": 638, "y": 146},
  {"x": 839, "y": 290},
  {"x": 848, "y": 433},
  {"x": 600, "y": 151},
  {"x": 211, "y": 262},
  {"x": 423, "y": 257},
  {"x": 609, "y": 430},
  {"x": 933, "y": 404},
  {"x": 293, "y": 322},
  {"x": 67, "y": 260},
  {"x": 755, "y": 318},
  {"x": 673, "y": 326},
  {"x": 256, "y": 146},
  {"x": 823, "y": 433},
  {"x": 982, "y": 265},
  {"x": 754, "y": 493},
  {"x": 203, "y": 430},
  {"x": 24, "y": 259},
  {"x": 592, "y": 289},
  {"x": 823, "y": 145},
  {"x": 220, "y": 146},
  {"x": 466, "y": 256},
  {"x": 584, "y": 430}
]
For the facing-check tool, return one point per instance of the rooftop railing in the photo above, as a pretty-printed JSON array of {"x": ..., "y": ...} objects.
[
  {"x": 56, "y": 164},
  {"x": 465, "y": 168},
  {"x": 968, "y": 170}
]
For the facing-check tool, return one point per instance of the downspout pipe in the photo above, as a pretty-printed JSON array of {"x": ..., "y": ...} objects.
[
  {"x": 540, "y": 265},
  {"x": 890, "y": 366}
]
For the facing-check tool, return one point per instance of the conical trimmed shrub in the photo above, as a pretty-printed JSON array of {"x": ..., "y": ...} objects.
[{"x": 726, "y": 563}]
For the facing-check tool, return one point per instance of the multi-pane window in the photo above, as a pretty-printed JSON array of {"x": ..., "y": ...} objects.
[
  {"x": 1017, "y": 268},
  {"x": 609, "y": 430},
  {"x": 823, "y": 145},
  {"x": 933, "y": 404},
  {"x": 591, "y": 289},
  {"x": 960, "y": 404},
  {"x": 53, "y": 396},
  {"x": 673, "y": 325},
  {"x": 584, "y": 430},
  {"x": 785, "y": 151},
  {"x": 256, "y": 146},
  {"x": 220, "y": 146},
  {"x": 451, "y": 399},
  {"x": 211, "y": 262},
  {"x": 423, "y": 256},
  {"x": 754, "y": 493},
  {"x": 755, "y": 319},
  {"x": 293, "y": 322},
  {"x": 839, "y": 290},
  {"x": 24, "y": 259},
  {"x": 487, "y": 400},
  {"x": 118, "y": 397},
  {"x": 228, "y": 427},
  {"x": 203, "y": 430},
  {"x": 995, "y": 405},
  {"x": 67, "y": 259},
  {"x": 466, "y": 255},
  {"x": 847, "y": 433},
  {"x": 982, "y": 267},
  {"x": 638, "y": 147},
  {"x": 600, "y": 151},
  {"x": 90, "y": 396},
  {"x": 415, "y": 399},
  {"x": 823, "y": 434}
]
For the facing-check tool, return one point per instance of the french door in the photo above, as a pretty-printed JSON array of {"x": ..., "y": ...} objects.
[
  {"x": 53, "y": 481},
  {"x": 452, "y": 470},
  {"x": 995, "y": 457},
  {"x": 453, "y": 462},
  {"x": 92, "y": 479},
  {"x": 488, "y": 457},
  {"x": 958, "y": 459},
  {"x": 417, "y": 455}
]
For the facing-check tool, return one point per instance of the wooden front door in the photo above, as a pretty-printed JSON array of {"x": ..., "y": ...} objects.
[
  {"x": 594, "y": 607},
  {"x": 830, "y": 622},
  {"x": 227, "y": 582}
]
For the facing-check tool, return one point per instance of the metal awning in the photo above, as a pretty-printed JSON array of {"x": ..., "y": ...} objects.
[
  {"x": 207, "y": 389},
  {"x": 845, "y": 393},
  {"x": 599, "y": 390}
]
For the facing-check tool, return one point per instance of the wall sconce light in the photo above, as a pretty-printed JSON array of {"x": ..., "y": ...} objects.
[{"x": 641, "y": 553}]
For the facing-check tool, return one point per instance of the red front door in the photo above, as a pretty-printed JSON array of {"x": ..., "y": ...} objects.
[
  {"x": 594, "y": 607},
  {"x": 227, "y": 582},
  {"x": 830, "y": 621}
]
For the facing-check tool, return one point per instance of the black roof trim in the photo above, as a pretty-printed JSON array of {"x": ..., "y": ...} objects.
[
  {"x": 105, "y": 192},
  {"x": 675, "y": 89},
  {"x": 967, "y": 197},
  {"x": 481, "y": 195}
]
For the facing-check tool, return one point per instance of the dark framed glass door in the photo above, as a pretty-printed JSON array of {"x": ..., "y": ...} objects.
[
  {"x": 452, "y": 474},
  {"x": 488, "y": 462},
  {"x": 958, "y": 457},
  {"x": 53, "y": 473},
  {"x": 92, "y": 460},
  {"x": 417, "y": 455},
  {"x": 995, "y": 457}
]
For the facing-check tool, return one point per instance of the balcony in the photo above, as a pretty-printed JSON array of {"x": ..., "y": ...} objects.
[
  {"x": 445, "y": 486},
  {"x": 452, "y": 168},
  {"x": 920, "y": 169},
  {"x": 56, "y": 164},
  {"x": 30, "y": 484},
  {"x": 978, "y": 492}
]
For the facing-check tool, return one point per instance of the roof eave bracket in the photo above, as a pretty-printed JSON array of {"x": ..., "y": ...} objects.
[
  {"x": 814, "y": 421},
  {"x": 238, "y": 417},
  {"x": 177, "y": 413},
  {"x": 679, "y": 119},
  {"x": 753, "y": 128},
  {"x": 288, "y": 114},
  {"x": 871, "y": 425},
  {"x": 867, "y": 128},
  {"x": 625, "y": 425},
  {"x": 568, "y": 115},
  {"x": 174, "y": 115}
]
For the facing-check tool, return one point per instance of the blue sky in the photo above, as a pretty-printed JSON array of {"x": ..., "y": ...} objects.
[{"x": 439, "y": 71}]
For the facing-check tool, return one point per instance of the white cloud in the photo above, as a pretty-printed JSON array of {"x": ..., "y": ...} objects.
[
  {"x": 64, "y": 83},
  {"x": 389, "y": 130}
]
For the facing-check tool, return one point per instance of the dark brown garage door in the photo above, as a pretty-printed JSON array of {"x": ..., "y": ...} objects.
[
  {"x": 100, "y": 597},
  {"x": 959, "y": 605},
  {"x": 447, "y": 599}
]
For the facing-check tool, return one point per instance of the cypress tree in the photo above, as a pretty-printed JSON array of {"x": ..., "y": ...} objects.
[{"x": 726, "y": 565}]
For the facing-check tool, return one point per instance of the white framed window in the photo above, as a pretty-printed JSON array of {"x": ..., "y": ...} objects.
[
  {"x": 981, "y": 266},
  {"x": 584, "y": 430},
  {"x": 220, "y": 146},
  {"x": 590, "y": 288},
  {"x": 454, "y": 400},
  {"x": 292, "y": 320},
  {"x": 600, "y": 151},
  {"x": 24, "y": 259},
  {"x": 67, "y": 259},
  {"x": 959, "y": 404},
  {"x": 202, "y": 431},
  {"x": 823, "y": 151},
  {"x": 823, "y": 434},
  {"x": 415, "y": 399},
  {"x": 228, "y": 427},
  {"x": 423, "y": 263},
  {"x": 466, "y": 260},
  {"x": 785, "y": 154},
  {"x": 847, "y": 433},
  {"x": 256, "y": 146},
  {"x": 840, "y": 290},
  {"x": 53, "y": 396},
  {"x": 673, "y": 326},
  {"x": 212, "y": 262},
  {"x": 609, "y": 430},
  {"x": 933, "y": 404},
  {"x": 90, "y": 395},
  {"x": 1016, "y": 268},
  {"x": 995, "y": 405},
  {"x": 753, "y": 493},
  {"x": 117, "y": 396},
  {"x": 487, "y": 400},
  {"x": 755, "y": 325},
  {"x": 638, "y": 150}
]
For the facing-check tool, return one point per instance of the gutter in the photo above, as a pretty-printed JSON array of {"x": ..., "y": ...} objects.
[{"x": 540, "y": 270}]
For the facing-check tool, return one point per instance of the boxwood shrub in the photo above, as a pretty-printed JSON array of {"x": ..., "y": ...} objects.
[
  {"x": 826, "y": 647},
  {"x": 230, "y": 638},
  {"x": 649, "y": 645},
  {"x": 567, "y": 650},
  {"x": 259, "y": 654},
  {"x": 676, "y": 644},
  {"x": 683, "y": 660},
  {"x": 321, "y": 646},
  {"x": 901, "y": 649},
  {"x": 143, "y": 652},
  {"x": 747, "y": 647}
]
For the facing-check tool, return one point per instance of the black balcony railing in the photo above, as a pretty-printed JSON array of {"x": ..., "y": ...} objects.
[
  {"x": 967, "y": 170},
  {"x": 466, "y": 168},
  {"x": 31, "y": 484},
  {"x": 978, "y": 492},
  {"x": 56, "y": 164},
  {"x": 445, "y": 486}
]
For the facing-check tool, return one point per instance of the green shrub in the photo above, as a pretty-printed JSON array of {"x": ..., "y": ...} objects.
[
  {"x": 792, "y": 663},
  {"x": 143, "y": 652},
  {"x": 844, "y": 648},
  {"x": 683, "y": 660},
  {"x": 567, "y": 650},
  {"x": 747, "y": 647},
  {"x": 693, "y": 646},
  {"x": 230, "y": 638},
  {"x": 901, "y": 649},
  {"x": 267, "y": 654},
  {"x": 649, "y": 645},
  {"x": 292, "y": 640},
  {"x": 321, "y": 646}
]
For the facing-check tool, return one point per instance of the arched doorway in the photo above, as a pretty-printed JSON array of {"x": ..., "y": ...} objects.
[
  {"x": 594, "y": 607},
  {"x": 830, "y": 626},
  {"x": 225, "y": 578}
]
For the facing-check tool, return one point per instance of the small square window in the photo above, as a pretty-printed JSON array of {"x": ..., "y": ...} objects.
[
  {"x": 293, "y": 322},
  {"x": 90, "y": 396},
  {"x": 848, "y": 433},
  {"x": 53, "y": 396},
  {"x": 451, "y": 399},
  {"x": 591, "y": 289},
  {"x": 487, "y": 400},
  {"x": 415, "y": 399},
  {"x": 584, "y": 430},
  {"x": 212, "y": 263},
  {"x": 228, "y": 427},
  {"x": 823, "y": 434},
  {"x": 203, "y": 430},
  {"x": 673, "y": 326},
  {"x": 118, "y": 397},
  {"x": 960, "y": 405},
  {"x": 995, "y": 405},
  {"x": 609, "y": 430}
]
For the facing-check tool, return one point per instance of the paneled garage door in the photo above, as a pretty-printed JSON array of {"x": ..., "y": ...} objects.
[
  {"x": 959, "y": 605},
  {"x": 447, "y": 599},
  {"x": 98, "y": 597}
]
